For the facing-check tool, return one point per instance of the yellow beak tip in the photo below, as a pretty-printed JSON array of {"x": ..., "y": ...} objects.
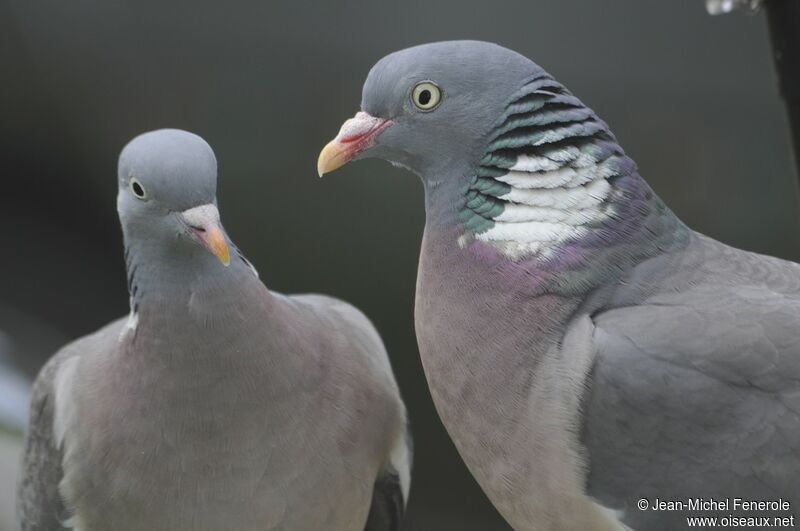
[
  {"x": 220, "y": 250},
  {"x": 332, "y": 157},
  {"x": 215, "y": 242}
]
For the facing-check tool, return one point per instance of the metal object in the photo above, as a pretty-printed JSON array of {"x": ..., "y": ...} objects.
[{"x": 719, "y": 7}]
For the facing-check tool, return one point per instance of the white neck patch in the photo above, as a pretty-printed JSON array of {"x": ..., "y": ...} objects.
[
  {"x": 552, "y": 198},
  {"x": 545, "y": 176}
]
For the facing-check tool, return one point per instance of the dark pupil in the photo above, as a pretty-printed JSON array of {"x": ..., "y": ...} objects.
[
  {"x": 424, "y": 97},
  {"x": 138, "y": 190}
]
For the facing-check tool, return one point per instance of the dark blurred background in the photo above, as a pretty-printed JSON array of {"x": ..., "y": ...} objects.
[{"x": 692, "y": 98}]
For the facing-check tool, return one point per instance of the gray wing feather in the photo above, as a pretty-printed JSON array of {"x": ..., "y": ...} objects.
[
  {"x": 39, "y": 503},
  {"x": 388, "y": 500},
  {"x": 696, "y": 391}
]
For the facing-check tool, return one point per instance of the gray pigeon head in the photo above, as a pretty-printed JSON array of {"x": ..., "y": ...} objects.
[
  {"x": 167, "y": 193},
  {"x": 441, "y": 101},
  {"x": 175, "y": 170},
  {"x": 514, "y": 165}
]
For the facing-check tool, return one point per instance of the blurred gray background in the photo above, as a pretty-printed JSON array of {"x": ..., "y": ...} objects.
[{"x": 692, "y": 98}]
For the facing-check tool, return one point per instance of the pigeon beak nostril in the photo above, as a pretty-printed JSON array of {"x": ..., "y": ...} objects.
[
  {"x": 214, "y": 240},
  {"x": 356, "y": 135},
  {"x": 203, "y": 222}
]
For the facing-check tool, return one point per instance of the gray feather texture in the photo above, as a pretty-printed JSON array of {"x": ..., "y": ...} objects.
[
  {"x": 583, "y": 347},
  {"x": 216, "y": 404}
]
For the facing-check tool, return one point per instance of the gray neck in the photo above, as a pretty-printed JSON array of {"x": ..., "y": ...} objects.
[
  {"x": 552, "y": 193},
  {"x": 443, "y": 184},
  {"x": 165, "y": 283}
]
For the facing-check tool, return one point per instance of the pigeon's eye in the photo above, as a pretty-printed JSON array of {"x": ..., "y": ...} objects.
[
  {"x": 137, "y": 189},
  {"x": 426, "y": 96}
]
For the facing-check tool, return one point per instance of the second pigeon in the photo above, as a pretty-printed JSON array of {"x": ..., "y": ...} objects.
[{"x": 216, "y": 404}]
